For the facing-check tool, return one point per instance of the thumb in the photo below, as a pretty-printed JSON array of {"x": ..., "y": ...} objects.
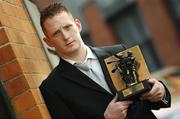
[
  {"x": 115, "y": 98},
  {"x": 151, "y": 81}
]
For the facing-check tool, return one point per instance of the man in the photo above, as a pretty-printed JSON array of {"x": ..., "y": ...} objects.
[{"x": 71, "y": 91}]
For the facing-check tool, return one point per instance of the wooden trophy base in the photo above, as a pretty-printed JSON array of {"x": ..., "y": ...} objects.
[{"x": 133, "y": 92}]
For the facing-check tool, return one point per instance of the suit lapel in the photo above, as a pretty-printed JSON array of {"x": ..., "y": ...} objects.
[
  {"x": 101, "y": 54},
  {"x": 73, "y": 74}
]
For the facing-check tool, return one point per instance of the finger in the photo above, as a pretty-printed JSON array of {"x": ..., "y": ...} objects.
[
  {"x": 153, "y": 98},
  {"x": 124, "y": 114},
  {"x": 129, "y": 102},
  {"x": 152, "y": 80},
  {"x": 154, "y": 89},
  {"x": 124, "y": 103},
  {"x": 146, "y": 96},
  {"x": 149, "y": 95}
]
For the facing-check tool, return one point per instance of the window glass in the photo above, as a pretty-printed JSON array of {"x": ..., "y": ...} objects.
[{"x": 131, "y": 30}]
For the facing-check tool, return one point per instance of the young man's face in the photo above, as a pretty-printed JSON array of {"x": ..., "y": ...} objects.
[{"x": 63, "y": 33}]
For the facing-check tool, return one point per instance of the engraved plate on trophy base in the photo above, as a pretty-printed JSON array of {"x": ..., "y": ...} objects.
[{"x": 134, "y": 91}]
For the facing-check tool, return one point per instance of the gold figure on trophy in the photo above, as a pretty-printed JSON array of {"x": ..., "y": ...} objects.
[{"x": 127, "y": 66}]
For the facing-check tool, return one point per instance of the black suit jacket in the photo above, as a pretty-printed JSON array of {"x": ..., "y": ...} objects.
[{"x": 70, "y": 94}]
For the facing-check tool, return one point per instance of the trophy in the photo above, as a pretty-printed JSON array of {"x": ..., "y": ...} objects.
[{"x": 129, "y": 73}]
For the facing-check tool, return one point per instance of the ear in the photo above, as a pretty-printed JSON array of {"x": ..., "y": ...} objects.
[
  {"x": 78, "y": 24},
  {"x": 48, "y": 41}
]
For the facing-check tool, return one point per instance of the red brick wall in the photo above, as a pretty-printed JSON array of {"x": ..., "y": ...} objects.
[
  {"x": 23, "y": 63},
  {"x": 162, "y": 29}
]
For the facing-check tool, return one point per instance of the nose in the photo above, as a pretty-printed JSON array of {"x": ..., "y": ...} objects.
[{"x": 65, "y": 34}]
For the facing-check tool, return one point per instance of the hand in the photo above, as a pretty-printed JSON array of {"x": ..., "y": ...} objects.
[
  {"x": 156, "y": 93},
  {"x": 117, "y": 110}
]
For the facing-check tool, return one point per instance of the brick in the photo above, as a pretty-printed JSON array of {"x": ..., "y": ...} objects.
[
  {"x": 1, "y": 8},
  {"x": 34, "y": 66},
  {"x": 16, "y": 2},
  {"x": 26, "y": 65},
  {"x": 5, "y": 20},
  {"x": 10, "y": 70},
  {"x": 21, "y": 37},
  {"x": 18, "y": 50},
  {"x": 31, "y": 52},
  {"x": 13, "y": 22},
  {"x": 22, "y": 13},
  {"x": 41, "y": 67},
  {"x": 34, "y": 80},
  {"x": 18, "y": 85},
  {"x": 37, "y": 112},
  {"x": 45, "y": 67},
  {"x": 38, "y": 97},
  {"x": 32, "y": 39},
  {"x": 17, "y": 23},
  {"x": 27, "y": 100},
  {"x": 3, "y": 37},
  {"x": 11, "y": 1},
  {"x": 38, "y": 54},
  {"x": 37, "y": 67},
  {"x": 8, "y": 9},
  {"x": 26, "y": 51},
  {"x": 15, "y": 35},
  {"x": 7, "y": 54},
  {"x": 44, "y": 111},
  {"x": 38, "y": 78},
  {"x": 42, "y": 54},
  {"x": 28, "y": 27},
  {"x": 29, "y": 66},
  {"x": 22, "y": 83}
]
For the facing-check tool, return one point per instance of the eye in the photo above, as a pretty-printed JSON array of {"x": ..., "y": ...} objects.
[
  {"x": 68, "y": 26},
  {"x": 56, "y": 33}
]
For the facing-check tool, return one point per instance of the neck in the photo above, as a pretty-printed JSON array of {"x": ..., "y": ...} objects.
[{"x": 80, "y": 55}]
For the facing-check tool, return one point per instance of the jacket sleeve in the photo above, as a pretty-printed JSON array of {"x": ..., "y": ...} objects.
[
  {"x": 57, "y": 108},
  {"x": 164, "y": 103}
]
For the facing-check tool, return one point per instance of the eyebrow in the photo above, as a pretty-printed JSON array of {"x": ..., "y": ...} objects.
[
  {"x": 67, "y": 25},
  {"x": 58, "y": 30}
]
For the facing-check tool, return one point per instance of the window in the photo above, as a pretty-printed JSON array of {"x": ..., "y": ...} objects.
[
  {"x": 174, "y": 7},
  {"x": 131, "y": 30}
]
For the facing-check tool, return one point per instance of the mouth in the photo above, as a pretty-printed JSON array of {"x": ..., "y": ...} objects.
[{"x": 69, "y": 43}]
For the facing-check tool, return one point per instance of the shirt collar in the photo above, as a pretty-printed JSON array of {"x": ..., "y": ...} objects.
[{"x": 90, "y": 55}]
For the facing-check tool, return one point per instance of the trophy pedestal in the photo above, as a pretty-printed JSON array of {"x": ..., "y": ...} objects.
[{"x": 133, "y": 92}]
